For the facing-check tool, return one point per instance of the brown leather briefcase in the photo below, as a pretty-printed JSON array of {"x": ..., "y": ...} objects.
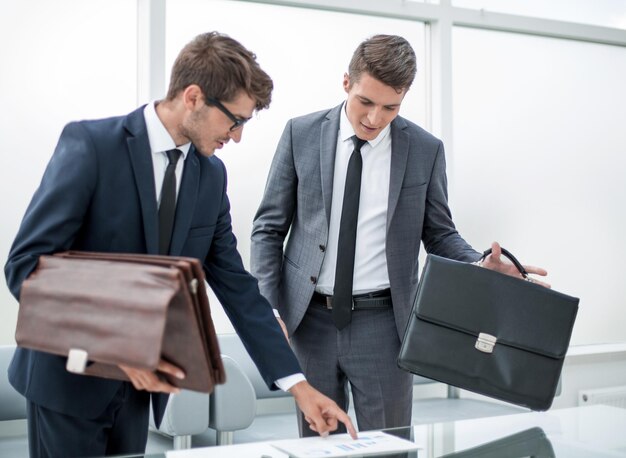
[{"x": 105, "y": 309}]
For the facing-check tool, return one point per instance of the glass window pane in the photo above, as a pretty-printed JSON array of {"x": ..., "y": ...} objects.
[
  {"x": 306, "y": 52},
  {"x": 539, "y": 162},
  {"x": 61, "y": 61},
  {"x": 607, "y": 13}
]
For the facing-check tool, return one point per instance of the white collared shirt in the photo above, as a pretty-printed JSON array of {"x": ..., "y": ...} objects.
[
  {"x": 161, "y": 142},
  {"x": 370, "y": 261}
]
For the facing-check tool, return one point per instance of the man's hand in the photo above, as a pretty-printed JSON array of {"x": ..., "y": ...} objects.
[
  {"x": 144, "y": 379},
  {"x": 321, "y": 413},
  {"x": 494, "y": 262},
  {"x": 283, "y": 327}
]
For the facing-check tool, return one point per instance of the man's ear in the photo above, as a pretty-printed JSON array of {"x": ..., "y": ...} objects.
[
  {"x": 193, "y": 97},
  {"x": 346, "y": 82}
]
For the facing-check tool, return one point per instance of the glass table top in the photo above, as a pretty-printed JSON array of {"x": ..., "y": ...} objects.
[{"x": 589, "y": 432}]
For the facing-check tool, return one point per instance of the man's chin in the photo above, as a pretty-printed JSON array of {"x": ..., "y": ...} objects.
[
  {"x": 368, "y": 134},
  {"x": 207, "y": 152}
]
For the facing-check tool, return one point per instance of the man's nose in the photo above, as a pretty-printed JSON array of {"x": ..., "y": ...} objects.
[
  {"x": 236, "y": 134},
  {"x": 373, "y": 117}
]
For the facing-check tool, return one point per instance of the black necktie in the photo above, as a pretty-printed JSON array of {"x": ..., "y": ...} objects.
[
  {"x": 167, "y": 208},
  {"x": 342, "y": 293}
]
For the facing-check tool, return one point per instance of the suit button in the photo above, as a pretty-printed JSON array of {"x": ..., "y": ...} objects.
[
  {"x": 322, "y": 248},
  {"x": 313, "y": 279}
]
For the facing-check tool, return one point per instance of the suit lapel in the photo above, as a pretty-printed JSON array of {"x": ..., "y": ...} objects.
[
  {"x": 328, "y": 148},
  {"x": 186, "y": 202},
  {"x": 141, "y": 161},
  {"x": 399, "y": 156}
]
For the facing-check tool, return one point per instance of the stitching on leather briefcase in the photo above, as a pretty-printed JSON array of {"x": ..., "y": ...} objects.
[{"x": 500, "y": 340}]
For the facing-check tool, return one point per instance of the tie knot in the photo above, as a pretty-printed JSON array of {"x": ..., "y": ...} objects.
[
  {"x": 358, "y": 143},
  {"x": 173, "y": 155}
]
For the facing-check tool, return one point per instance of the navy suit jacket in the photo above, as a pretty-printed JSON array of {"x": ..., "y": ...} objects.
[{"x": 98, "y": 194}]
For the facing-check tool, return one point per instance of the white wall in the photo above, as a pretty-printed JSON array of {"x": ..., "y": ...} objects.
[
  {"x": 539, "y": 159},
  {"x": 59, "y": 61}
]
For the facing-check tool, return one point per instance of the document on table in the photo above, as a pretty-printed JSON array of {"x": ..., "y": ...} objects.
[
  {"x": 250, "y": 450},
  {"x": 339, "y": 445}
]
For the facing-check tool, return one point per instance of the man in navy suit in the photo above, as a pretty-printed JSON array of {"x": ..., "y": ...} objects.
[{"x": 101, "y": 192}]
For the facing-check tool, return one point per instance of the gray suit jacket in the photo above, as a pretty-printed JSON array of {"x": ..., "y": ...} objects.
[{"x": 298, "y": 197}]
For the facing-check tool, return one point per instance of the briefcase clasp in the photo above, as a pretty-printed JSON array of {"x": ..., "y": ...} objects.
[
  {"x": 193, "y": 286},
  {"x": 76, "y": 361},
  {"x": 485, "y": 342}
]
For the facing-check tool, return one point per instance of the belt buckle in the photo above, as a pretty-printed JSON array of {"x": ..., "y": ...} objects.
[{"x": 329, "y": 303}]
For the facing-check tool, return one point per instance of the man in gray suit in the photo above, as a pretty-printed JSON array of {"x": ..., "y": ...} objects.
[{"x": 400, "y": 173}]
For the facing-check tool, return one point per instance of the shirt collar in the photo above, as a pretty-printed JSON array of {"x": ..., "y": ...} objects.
[
  {"x": 158, "y": 136},
  {"x": 346, "y": 131}
]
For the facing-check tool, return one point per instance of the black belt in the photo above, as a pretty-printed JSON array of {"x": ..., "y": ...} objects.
[{"x": 368, "y": 301}]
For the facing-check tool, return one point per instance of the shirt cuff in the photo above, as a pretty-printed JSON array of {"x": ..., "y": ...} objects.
[
  {"x": 286, "y": 383},
  {"x": 276, "y": 314}
]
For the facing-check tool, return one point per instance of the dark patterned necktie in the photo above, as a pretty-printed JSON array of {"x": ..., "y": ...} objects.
[
  {"x": 346, "y": 245},
  {"x": 167, "y": 208}
]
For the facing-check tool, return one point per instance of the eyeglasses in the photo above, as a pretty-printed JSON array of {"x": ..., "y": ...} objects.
[{"x": 238, "y": 122}]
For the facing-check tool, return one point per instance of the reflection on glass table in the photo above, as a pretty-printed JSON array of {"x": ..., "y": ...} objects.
[
  {"x": 579, "y": 432},
  {"x": 585, "y": 432},
  {"x": 530, "y": 442}
]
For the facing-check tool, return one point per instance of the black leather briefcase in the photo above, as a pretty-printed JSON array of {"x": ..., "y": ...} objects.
[{"x": 488, "y": 332}]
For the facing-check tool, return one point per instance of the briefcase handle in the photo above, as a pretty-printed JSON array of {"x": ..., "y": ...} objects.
[{"x": 513, "y": 259}]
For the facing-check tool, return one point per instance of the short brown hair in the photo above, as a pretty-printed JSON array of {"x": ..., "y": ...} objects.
[
  {"x": 388, "y": 58},
  {"x": 221, "y": 67}
]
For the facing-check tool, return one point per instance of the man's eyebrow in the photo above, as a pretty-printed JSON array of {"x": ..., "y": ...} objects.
[
  {"x": 365, "y": 99},
  {"x": 247, "y": 118}
]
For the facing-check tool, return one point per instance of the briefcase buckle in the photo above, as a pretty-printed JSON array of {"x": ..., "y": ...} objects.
[
  {"x": 76, "y": 361},
  {"x": 485, "y": 342},
  {"x": 193, "y": 286}
]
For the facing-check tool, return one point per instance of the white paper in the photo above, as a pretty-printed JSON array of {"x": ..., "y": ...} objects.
[
  {"x": 339, "y": 445},
  {"x": 250, "y": 450}
]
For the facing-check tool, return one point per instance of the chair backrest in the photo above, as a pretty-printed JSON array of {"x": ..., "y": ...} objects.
[{"x": 12, "y": 403}]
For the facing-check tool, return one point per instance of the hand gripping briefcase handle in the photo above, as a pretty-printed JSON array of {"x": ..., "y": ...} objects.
[{"x": 518, "y": 265}]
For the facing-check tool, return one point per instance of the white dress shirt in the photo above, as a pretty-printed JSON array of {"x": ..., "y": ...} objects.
[
  {"x": 160, "y": 142},
  {"x": 370, "y": 261}
]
